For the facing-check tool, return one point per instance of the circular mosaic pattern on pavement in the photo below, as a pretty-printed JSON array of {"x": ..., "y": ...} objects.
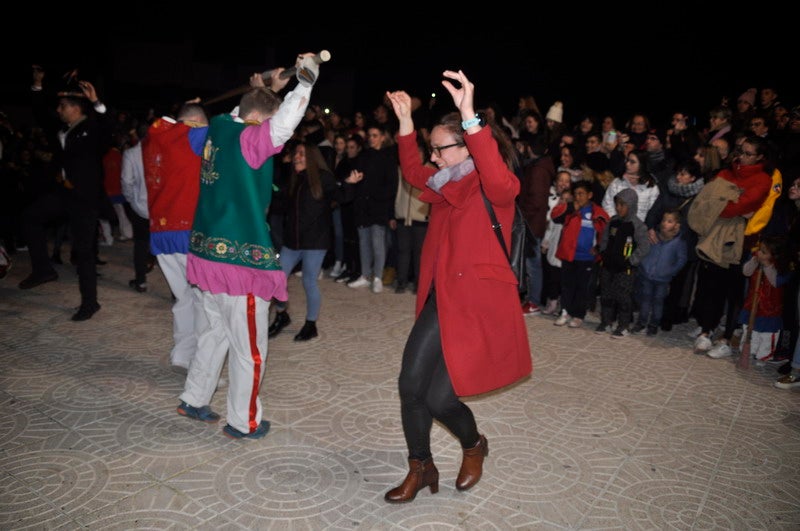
[
  {"x": 61, "y": 478},
  {"x": 159, "y": 438},
  {"x": 12, "y": 424},
  {"x": 536, "y": 474},
  {"x": 43, "y": 361},
  {"x": 292, "y": 483},
  {"x": 372, "y": 424},
  {"x": 674, "y": 504},
  {"x": 571, "y": 414},
  {"x": 296, "y": 389}
]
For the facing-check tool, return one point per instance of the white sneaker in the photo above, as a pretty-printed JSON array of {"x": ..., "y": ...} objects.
[
  {"x": 551, "y": 308},
  {"x": 702, "y": 343},
  {"x": 360, "y": 282},
  {"x": 562, "y": 319},
  {"x": 720, "y": 350},
  {"x": 575, "y": 322},
  {"x": 695, "y": 332},
  {"x": 338, "y": 269},
  {"x": 377, "y": 285},
  {"x": 620, "y": 332}
]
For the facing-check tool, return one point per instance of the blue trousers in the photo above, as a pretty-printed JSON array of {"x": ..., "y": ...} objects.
[
  {"x": 312, "y": 265},
  {"x": 651, "y": 301}
]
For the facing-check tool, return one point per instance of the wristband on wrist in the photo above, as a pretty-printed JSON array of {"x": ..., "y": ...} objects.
[{"x": 472, "y": 122}]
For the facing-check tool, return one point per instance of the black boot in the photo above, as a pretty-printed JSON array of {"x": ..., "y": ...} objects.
[
  {"x": 280, "y": 322},
  {"x": 308, "y": 331}
]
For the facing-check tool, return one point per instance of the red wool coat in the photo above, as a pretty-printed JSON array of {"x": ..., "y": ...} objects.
[{"x": 484, "y": 338}]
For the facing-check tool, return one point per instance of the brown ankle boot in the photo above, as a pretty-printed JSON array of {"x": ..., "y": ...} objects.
[
  {"x": 472, "y": 465},
  {"x": 421, "y": 474}
]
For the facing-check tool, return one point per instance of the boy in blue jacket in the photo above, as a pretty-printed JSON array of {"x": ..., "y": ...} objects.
[{"x": 665, "y": 259}]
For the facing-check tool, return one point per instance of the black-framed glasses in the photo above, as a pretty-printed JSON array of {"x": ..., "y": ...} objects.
[
  {"x": 744, "y": 153},
  {"x": 438, "y": 149}
]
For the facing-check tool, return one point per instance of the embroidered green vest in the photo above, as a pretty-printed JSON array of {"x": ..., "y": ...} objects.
[{"x": 230, "y": 221}]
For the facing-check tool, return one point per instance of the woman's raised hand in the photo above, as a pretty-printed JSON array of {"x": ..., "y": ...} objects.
[
  {"x": 401, "y": 103},
  {"x": 463, "y": 97}
]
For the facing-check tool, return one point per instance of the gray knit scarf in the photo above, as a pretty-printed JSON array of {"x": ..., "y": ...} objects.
[
  {"x": 451, "y": 173},
  {"x": 685, "y": 190}
]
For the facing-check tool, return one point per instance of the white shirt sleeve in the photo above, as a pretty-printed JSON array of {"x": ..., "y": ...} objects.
[{"x": 291, "y": 111}]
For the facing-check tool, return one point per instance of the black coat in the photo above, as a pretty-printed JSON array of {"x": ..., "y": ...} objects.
[
  {"x": 82, "y": 160},
  {"x": 81, "y": 156},
  {"x": 309, "y": 224},
  {"x": 373, "y": 202}
]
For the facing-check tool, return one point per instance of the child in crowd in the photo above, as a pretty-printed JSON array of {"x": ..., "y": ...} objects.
[
  {"x": 584, "y": 222},
  {"x": 560, "y": 194},
  {"x": 622, "y": 246},
  {"x": 766, "y": 296},
  {"x": 659, "y": 266}
]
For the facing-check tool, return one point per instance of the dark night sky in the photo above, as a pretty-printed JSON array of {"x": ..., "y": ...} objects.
[{"x": 666, "y": 59}]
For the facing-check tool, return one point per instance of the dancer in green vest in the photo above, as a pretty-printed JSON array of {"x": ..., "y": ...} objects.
[{"x": 231, "y": 257}]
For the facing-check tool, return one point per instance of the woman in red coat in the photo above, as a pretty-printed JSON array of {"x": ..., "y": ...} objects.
[{"x": 469, "y": 336}]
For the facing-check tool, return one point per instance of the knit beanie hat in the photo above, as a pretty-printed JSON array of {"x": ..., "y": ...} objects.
[
  {"x": 556, "y": 112},
  {"x": 749, "y": 96}
]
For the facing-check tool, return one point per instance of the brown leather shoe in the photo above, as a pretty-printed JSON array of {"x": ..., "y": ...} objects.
[
  {"x": 472, "y": 465},
  {"x": 421, "y": 474}
]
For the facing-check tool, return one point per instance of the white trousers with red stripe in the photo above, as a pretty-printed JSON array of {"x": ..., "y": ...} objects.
[
  {"x": 235, "y": 325},
  {"x": 762, "y": 344}
]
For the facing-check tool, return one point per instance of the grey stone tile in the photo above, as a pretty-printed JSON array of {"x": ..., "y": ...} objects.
[
  {"x": 71, "y": 474},
  {"x": 616, "y": 434},
  {"x": 22, "y": 424},
  {"x": 155, "y": 507}
]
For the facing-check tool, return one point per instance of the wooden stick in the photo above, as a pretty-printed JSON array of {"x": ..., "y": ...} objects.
[
  {"x": 744, "y": 356},
  {"x": 322, "y": 57}
]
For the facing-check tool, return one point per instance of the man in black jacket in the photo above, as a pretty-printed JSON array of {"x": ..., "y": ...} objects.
[{"x": 82, "y": 142}]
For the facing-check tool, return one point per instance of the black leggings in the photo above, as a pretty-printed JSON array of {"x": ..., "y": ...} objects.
[{"x": 426, "y": 392}]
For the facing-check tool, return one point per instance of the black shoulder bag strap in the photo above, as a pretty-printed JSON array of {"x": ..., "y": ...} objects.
[{"x": 495, "y": 224}]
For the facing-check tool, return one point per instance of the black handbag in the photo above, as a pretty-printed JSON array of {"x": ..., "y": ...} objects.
[{"x": 519, "y": 242}]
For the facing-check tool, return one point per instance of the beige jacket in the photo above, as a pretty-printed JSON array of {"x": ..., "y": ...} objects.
[
  {"x": 720, "y": 239},
  {"x": 407, "y": 205}
]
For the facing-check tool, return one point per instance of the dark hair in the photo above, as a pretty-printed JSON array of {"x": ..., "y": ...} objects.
[
  {"x": 765, "y": 149},
  {"x": 645, "y": 177},
  {"x": 583, "y": 183},
  {"x": 576, "y": 153},
  {"x": 674, "y": 212},
  {"x": 358, "y": 139},
  {"x": 531, "y": 112},
  {"x": 452, "y": 122},
  {"x": 777, "y": 247},
  {"x": 690, "y": 166},
  {"x": 78, "y": 101},
  {"x": 315, "y": 167}
]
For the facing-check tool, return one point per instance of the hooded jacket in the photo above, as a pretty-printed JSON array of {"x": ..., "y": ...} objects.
[{"x": 624, "y": 241}]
